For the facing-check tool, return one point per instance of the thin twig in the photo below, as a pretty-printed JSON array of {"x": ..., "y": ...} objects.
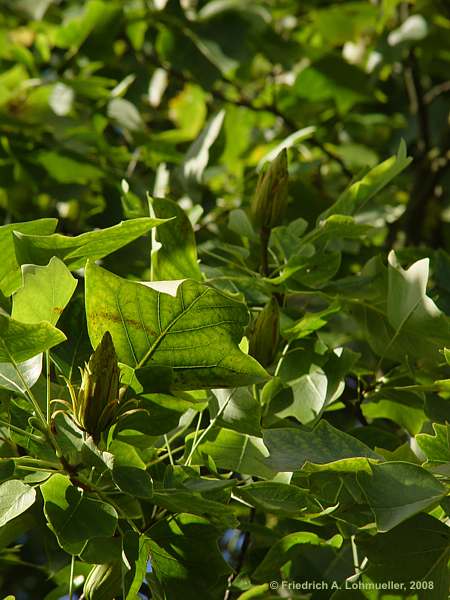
[{"x": 241, "y": 558}]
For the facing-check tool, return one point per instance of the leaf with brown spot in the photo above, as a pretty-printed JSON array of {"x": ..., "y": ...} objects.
[{"x": 195, "y": 333}]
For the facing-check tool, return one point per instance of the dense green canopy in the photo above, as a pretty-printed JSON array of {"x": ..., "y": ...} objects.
[{"x": 277, "y": 173}]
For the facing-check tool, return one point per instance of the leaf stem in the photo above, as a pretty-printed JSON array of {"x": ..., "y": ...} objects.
[
  {"x": 30, "y": 394},
  {"x": 49, "y": 392},
  {"x": 198, "y": 441},
  {"x": 72, "y": 568},
  {"x": 169, "y": 452},
  {"x": 164, "y": 456},
  {"x": 32, "y": 436},
  {"x": 197, "y": 429}
]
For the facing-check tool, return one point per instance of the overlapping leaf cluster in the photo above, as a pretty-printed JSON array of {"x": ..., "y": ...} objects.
[{"x": 326, "y": 463}]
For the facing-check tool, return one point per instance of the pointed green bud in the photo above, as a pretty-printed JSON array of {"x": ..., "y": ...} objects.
[
  {"x": 98, "y": 397},
  {"x": 271, "y": 195},
  {"x": 265, "y": 334}
]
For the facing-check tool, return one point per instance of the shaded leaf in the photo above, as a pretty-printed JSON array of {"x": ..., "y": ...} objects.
[
  {"x": 175, "y": 255},
  {"x": 417, "y": 550},
  {"x": 396, "y": 491},
  {"x": 186, "y": 560},
  {"x": 15, "y": 498},
  {"x": 359, "y": 193},
  {"x": 73, "y": 516},
  {"x": 275, "y": 497},
  {"x": 241, "y": 413}
]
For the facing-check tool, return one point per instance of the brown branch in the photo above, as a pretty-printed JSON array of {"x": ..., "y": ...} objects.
[
  {"x": 430, "y": 163},
  {"x": 417, "y": 100},
  {"x": 436, "y": 91}
]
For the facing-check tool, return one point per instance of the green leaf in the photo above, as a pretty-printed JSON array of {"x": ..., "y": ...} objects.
[
  {"x": 331, "y": 78},
  {"x": 289, "y": 142},
  {"x": 186, "y": 560},
  {"x": 436, "y": 447},
  {"x": 236, "y": 452},
  {"x": 417, "y": 550},
  {"x": 74, "y": 251},
  {"x": 178, "y": 500},
  {"x": 67, "y": 170},
  {"x": 283, "y": 551},
  {"x": 73, "y": 516},
  {"x": 7, "y": 468},
  {"x": 290, "y": 448},
  {"x": 241, "y": 413},
  {"x": 398, "y": 318},
  {"x": 125, "y": 114},
  {"x": 21, "y": 341},
  {"x": 74, "y": 31},
  {"x": 310, "y": 322},
  {"x": 337, "y": 226},
  {"x": 308, "y": 394},
  {"x": 195, "y": 332},
  {"x": 197, "y": 156},
  {"x": 18, "y": 378},
  {"x": 101, "y": 550},
  {"x": 175, "y": 253},
  {"x": 158, "y": 414},
  {"x": 15, "y": 498},
  {"x": 359, "y": 193},
  {"x": 45, "y": 293},
  {"x": 275, "y": 497},
  {"x": 396, "y": 491},
  {"x": 129, "y": 472},
  {"x": 239, "y": 223},
  {"x": 410, "y": 311},
  {"x": 319, "y": 269},
  {"x": 410, "y": 417},
  {"x": 10, "y": 276},
  {"x": 135, "y": 552}
]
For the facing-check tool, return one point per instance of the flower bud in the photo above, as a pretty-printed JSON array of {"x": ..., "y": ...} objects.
[
  {"x": 98, "y": 398},
  {"x": 271, "y": 195},
  {"x": 264, "y": 334}
]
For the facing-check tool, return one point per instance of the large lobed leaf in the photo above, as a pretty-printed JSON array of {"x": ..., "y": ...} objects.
[{"x": 194, "y": 333}]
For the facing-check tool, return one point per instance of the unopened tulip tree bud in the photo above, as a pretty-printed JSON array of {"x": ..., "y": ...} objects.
[
  {"x": 98, "y": 398},
  {"x": 271, "y": 196},
  {"x": 264, "y": 334}
]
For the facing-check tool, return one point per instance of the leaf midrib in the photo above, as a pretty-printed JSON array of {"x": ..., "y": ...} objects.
[{"x": 164, "y": 332}]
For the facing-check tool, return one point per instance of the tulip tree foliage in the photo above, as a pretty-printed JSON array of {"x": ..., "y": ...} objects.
[{"x": 224, "y": 299}]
